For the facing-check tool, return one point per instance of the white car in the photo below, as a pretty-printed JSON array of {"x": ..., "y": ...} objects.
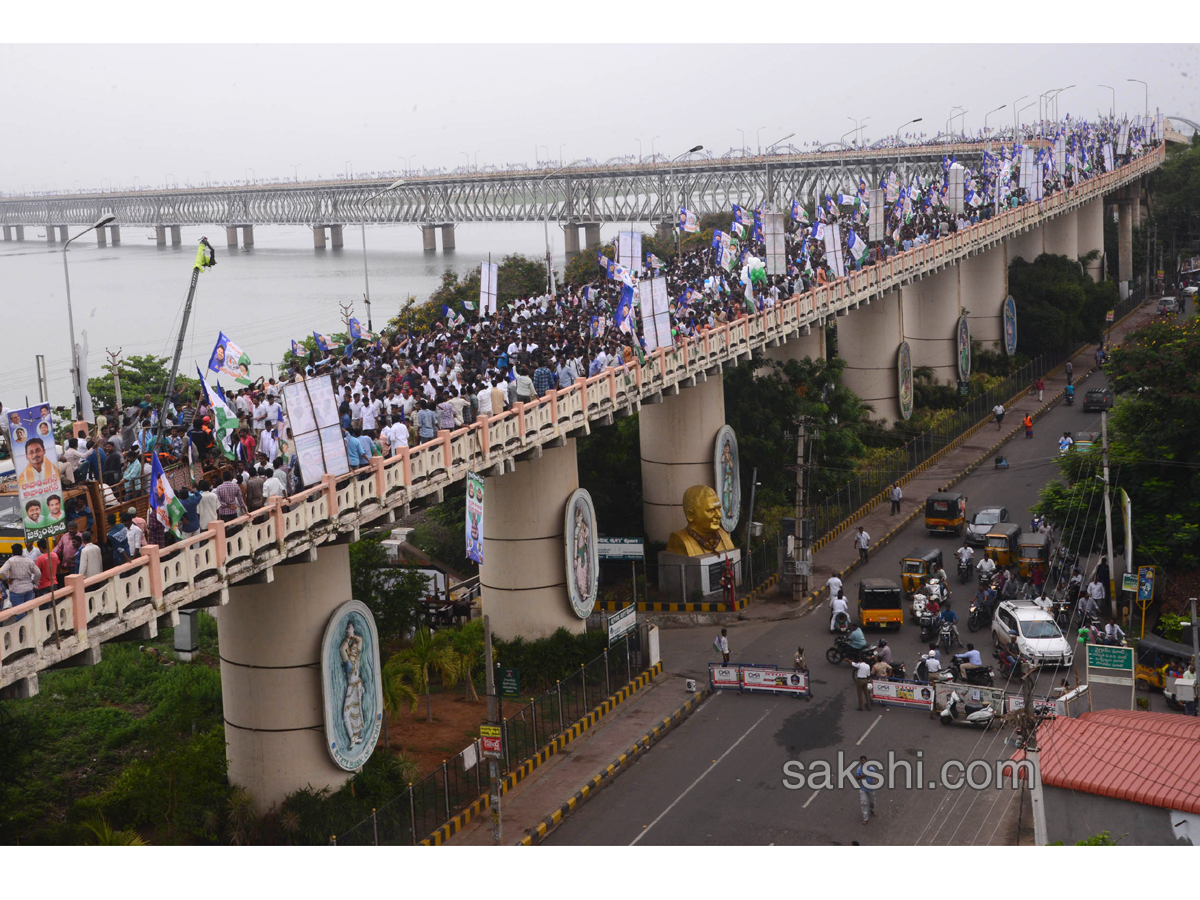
[{"x": 1037, "y": 635}]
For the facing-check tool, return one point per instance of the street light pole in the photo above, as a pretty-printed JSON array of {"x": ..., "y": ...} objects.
[
  {"x": 76, "y": 383},
  {"x": 988, "y": 113},
  {"x": 367, "y": 280},
  {"x": 770, "y": 189},
  {"x": 1112, "y": 108},
  {"x": 1056, "y": 93},
  {"x": 678, "y": 193},
  {"x": 1016, "y": 124},
  {"x": 1145, "y": 95},
  {"x": 546, "y": 222},
  {"x": 905, "y": 125}
]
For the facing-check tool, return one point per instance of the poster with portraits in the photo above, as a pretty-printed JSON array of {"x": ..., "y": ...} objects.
[
  {"x": 312, "y": 421},
  {"x": 475, "y": 517},
  {"x": 230, "y": 360},
  {"x": 35, "y": 460}
]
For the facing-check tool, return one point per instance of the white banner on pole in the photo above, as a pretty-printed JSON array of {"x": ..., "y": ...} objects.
[
  {"x": 312, "y": 419},
  {"x": 1123, "y": 139},
  {"x": 774, "y": 238},
  {"x": 656, "y": 317},
  {"x": 833, "y": 250},
  {"x": 954, "y": 196},
  {"x": 875, "y": 218},
  {"x": 489, "y": 276},
  {"x": 629, "y": 250}
]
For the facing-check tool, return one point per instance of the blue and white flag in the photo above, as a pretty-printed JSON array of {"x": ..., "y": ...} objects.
[
  {"x": 297, "y": 350},
  {"x": 741, "y": 216},
  {"x": 356, "y": 331},
  {"x": 618, "y": 272},
  {"x": 230, "y": 360},
  {"x": 224, "y": 420},
  {"x": 818, "y": 231},
  {"x": 601, "y": 260},
  {"x": 624, "y": 315},
  {"x": 720, "y": 239},
  {"x": 831, "y": 207},
  {"x": 847, "y": 199},
  {"x": 653, "y": 261},
  {"x": 857, "y": 246},
  {"x": 687, "y": 221},
  {"x": 799, "y": 214},
  {"x": 164, "y": 505},
  {"x": 324, "y": 342}
]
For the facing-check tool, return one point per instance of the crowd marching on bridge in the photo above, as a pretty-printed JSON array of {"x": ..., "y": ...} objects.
[{"x": 402, "y": 388}]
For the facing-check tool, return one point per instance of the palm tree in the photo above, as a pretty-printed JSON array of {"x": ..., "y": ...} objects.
[
  {"x": 106, "y": 837},
  {"x": 467, "y": 641},
  {"x": 431, "y": 653},
  {"x": 399, "y": 676}
]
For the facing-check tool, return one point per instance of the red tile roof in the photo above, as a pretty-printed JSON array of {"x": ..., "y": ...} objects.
[{"x": 1142, "y": 757}]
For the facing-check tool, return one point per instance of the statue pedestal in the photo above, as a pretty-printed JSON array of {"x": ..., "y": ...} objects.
[{"x": 695, "y": 579}]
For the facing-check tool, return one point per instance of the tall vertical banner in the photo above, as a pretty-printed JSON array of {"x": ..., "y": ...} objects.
[
  {"x": 312, "y": 419},
  {"x": 629, "y": 250},
  {"x": 1031, "y": 175},
  {"x": 774, "y": 239},
  {"x": 475, "y": 517},
  {"x": 875, "y": 217},
  {"x": 954, "y": 198},
  {"x": 656, "y": 316},
  {"x": 230, "y": 360},
  {"x": 1123, "y": 139},
  {"x": 833, "y": 250},
  {"x": 35, "y": 460},
  {"x": 489, "y": 277}
]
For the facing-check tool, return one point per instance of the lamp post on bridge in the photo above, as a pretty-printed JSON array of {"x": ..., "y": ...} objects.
[
  {"x": 652, "y": 153},
  {"x": 743, "y": 134},
  {"x": 76, "y": 382},
  {"x": 905, "y": 125},
  {"x": 408, "y": 164},
  {"x": 1112, "y": 109},
  {"x": 950, "y": 120},
  {"x": 767, "y": 168},
  {"x": 296, "y": 172},
  {"x": 679, "y": 194},
  {"x": 1021, "y": 110},
  {"x": 363, "y": 225},
  {"x": 546, "y": 222},
  {"x": 1055, "y": 98},
  {"x": 1016, "y": 115},
  {"x": 985, "y": 118},
  {"x": 639, "y": 143},
  {"x": 1145, "y": 95}
]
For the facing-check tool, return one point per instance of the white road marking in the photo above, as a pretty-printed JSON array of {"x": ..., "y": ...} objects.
[
  {"x": 716, "y": 761},
  {"x": 869, "y": 730},
  {"x": 810, "y": 799}
]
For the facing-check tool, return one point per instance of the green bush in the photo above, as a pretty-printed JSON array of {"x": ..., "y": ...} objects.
[{"x": 547, "y": 660}]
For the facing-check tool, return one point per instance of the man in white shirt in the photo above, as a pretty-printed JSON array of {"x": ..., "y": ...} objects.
[
  {"x": 834, "y": 584},
  {"x": 862, "y": 541},
  {"x": 397, "y": 435},
  {"x": 272, "y": 487},
  {"x": 837, "y": 606},
  {"x": 862, "y": 680},
  {"x": 91, "y": 560},
  {"x": 209, "y": 504}
]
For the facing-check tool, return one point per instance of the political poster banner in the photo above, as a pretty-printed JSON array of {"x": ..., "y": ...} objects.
[
  {"x": 475, "y": 517},
  {"x": 688, "y": 221},
  {"x": 775, "y": 240},
  {"x": 489, "y": 279},
  {"x": 164, "y": 505},
  {"x": 1123, "y": 139},
  {"x": 876, "y": 221},
  {"x": 954, "y": 199},
  {"x": 35, "y": 460},
  {"x": 656, "y": 316},
  {"x": 230, "y": 360},
  {"x": 312, "y": 420},
  {"x": 629, "y": 250},
  {"x": 833, "y": 250}
]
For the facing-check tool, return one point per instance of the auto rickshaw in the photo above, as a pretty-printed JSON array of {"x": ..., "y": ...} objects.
[
  {"x": 1033, "y": 550},
  {"x": 1001, "y": 545},
  {"x": 917, "y": 566},
  {"x": 880, "y": 603},
  {"x": 946, "y": 513},
  {"x": 1155, "y": 657}
]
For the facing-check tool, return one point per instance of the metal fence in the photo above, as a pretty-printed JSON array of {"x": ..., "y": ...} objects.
[
  {"x": 832, "y": 510},
  {"x": 425, "y": 806}
]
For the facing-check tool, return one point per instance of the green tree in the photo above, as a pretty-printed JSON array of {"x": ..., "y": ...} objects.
[
  {"x": 519, "y": 277},
  {"x": 103, "y": 835},
  {"x": 140, "y": 375},
  {"x": 1058, "y": 305},
  {"x": 583, "y": 268},
  {"x": 467, "y": 641},
  {"x": 430, "y": 654},
  {"x": 393, "y": 593},
  {"x": 399, "y": 690},
  {"x": 609, "y": 470}
]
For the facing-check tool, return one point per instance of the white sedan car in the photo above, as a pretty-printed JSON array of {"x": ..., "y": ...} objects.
[{"x": 1038, "y": 637}]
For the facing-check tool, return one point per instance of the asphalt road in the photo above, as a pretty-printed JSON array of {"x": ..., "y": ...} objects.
[{"x": 719, "y": 778}]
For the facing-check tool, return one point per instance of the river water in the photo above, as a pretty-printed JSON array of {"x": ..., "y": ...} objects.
[{"x": 132, "y": 296}]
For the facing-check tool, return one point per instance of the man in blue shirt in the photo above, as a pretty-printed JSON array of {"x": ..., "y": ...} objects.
[
  {"x": 970, "y": 659},
  {"x": 190, "y": 500},
  {"x": 543, "y": 379},
  {"x": 353, "y": 450},
  {"x": 950, "y": 616}
]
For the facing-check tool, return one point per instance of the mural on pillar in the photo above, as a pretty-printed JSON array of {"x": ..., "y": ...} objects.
[
  {"x": 350, "y": 685},
  {"x": 904, "y": 372},
  {"x": 474, "y": 523},
  {"x": 964, "y": 349},
  {"x": 1010, "y": 325},
  {"x": 728, "y": 477},
  {"x": 583, "y": 556}
]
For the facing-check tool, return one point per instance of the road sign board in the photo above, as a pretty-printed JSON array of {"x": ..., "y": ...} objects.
[
  {"x": 510, "y": 682},
  {"x": 1110, "y": 315},
  {"x": 1129, "y": 581},
  {"x": 621, "y": 621},
  {"x": 1102, "y": 656},
  {"x": 490, "y": 741},
  {"x": 620, "y": 548}
]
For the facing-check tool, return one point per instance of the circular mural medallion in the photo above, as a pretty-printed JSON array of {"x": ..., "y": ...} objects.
[
  {"x": 350, "y": 685},
  {"x": 964, "y": 349},
  {"x": 583, "y": 557},
  {"x": 904, "y": 373},
  {"x": 728, "y": 477},
  {"x": 1010, "y": 325}
]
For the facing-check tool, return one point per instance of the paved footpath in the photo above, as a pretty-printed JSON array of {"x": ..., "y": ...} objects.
[{"x": 686, "y": 653}]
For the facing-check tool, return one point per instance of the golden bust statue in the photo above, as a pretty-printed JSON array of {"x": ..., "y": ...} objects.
[{"x": 703, "y": 534}]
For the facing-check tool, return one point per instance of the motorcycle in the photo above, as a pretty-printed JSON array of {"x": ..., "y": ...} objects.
[
  {"x": 928, "y": 627},
  {"x": 841, "y": 650},
  {"x": 985, "y": 577},
  {"x": 979, "y": 616},
  {"x": 1070, "y": 398},
  {"x": 981, "y": 716},
  {"x": 946, "y": 636},
  {"x": 964, "y": 571},
  {"x": 982, "y": 675}
]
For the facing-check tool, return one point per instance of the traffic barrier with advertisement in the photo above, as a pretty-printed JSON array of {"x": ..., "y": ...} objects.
[
  {"x": 760, "y": 679},
  {"x": 913, "y": 694}
]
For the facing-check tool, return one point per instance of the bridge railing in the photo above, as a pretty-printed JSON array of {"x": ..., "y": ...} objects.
[{"x": 128, "y": 596}]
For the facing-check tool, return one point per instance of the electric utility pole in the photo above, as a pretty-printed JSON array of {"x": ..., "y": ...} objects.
[
  {"x": 802, "y": 541},
  {"x": 114, "y": 365},
  {"x": 1029, "y": 722},
  {"x": 1111, "y": 586},
  {"x": 493, "y": 717}
]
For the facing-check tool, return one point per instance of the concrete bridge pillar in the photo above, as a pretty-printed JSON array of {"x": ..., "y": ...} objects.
[
  {"x": 247, "y": 236},
  {"x": 51, "y": 235},
  {"x": 8, "y": 232},
  {"x": 20, "y": 232},
  {"x": 160, "y": 235},
  {"x": 176, "y": 236},
  {"x": 1090, "y": 236},
  {"x": 983, "y": 285},
  {"x": 930, "y": 309},
  {"x": 318, "y": 237},
  {"x": 335, "y": 237},
  {"x": 1124, "y": 246},
  {"x": 114, "y": 235},
  {"x": 429, "y": 238},
  {"x": 677, "y": 441},
  {"x": 591, "y": 236},
  {"x": 101, "y": 238},
  {"x": 571, "y": 240},
  {"x": 801, "y": 346},
  {"x": 271, "y": 677},
  {"x": 62, "y": 233},
  {"x": 231, "y": 237},
  {"x": 1062, "y": 235},
  {"x": 868, "y": 340},
  {"x": 665, "y": 231},
  {"x": 1029, "y": 246},
  {"x": 448, "y": 238},
  {"x": 524, "y": 573}
]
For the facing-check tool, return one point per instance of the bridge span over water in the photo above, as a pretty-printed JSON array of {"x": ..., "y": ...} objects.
[{"x": 279, "y": 572}]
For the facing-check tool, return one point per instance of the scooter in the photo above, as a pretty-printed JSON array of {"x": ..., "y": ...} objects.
[
  {"x": 981, "y": 716},
  {"x": 982, "y": 675},
  {"x": 1070, "y": 398},
  {"x": 964, "y": 571}
]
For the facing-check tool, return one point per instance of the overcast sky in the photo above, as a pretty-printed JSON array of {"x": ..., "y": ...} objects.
[{"x": 119, "y": 112}]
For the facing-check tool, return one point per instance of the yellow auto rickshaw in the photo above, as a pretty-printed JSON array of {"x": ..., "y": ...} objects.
[
  {"x": 946, "y": 513},
  {"x": 1033, "y": 550},
  {"x": 11, "y": 530},
  {"x": 1001, "y": 546},
  {"x": 880, "y": 603},
  {"x": 1157, "y": 662},
  {"x": 917, "y": 566}
]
